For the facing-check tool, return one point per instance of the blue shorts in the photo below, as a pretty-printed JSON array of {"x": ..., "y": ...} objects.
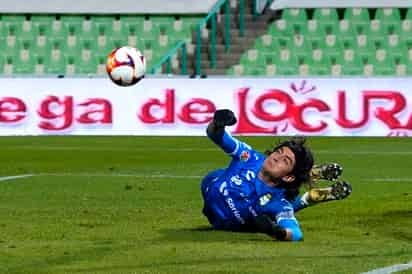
[
  {"x": 215, "y": 208},
  {"x": 209, "y": 180}
]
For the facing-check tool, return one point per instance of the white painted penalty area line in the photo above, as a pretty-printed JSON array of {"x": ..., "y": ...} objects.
[
  {"x": 390, "y": 269},
  {"x": 7, "y": 178}
]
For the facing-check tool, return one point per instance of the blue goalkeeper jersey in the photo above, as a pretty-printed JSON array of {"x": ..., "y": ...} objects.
[{"x": 235, "y": 196}]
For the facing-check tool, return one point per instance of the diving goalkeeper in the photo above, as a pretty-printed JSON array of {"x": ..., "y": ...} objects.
[{"x": 260, "y": 193}]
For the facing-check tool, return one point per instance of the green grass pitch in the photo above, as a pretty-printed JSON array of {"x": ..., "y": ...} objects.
[{"x": 133, "y": 205}]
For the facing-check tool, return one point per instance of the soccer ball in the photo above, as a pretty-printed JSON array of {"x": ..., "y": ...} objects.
[{"x": 126, "y": 66}]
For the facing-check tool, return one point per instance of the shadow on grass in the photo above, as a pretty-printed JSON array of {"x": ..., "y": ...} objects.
[
  {"x": 384, "y": 224},
  {"x": 208, "y": 234}
]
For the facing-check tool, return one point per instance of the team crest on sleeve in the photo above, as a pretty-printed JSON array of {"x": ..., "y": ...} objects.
[
  {"x": 263, "y": 200},
  {"x": 244, "y": 156}
]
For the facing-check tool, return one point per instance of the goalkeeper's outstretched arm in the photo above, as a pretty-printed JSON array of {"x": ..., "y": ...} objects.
[
  {"x": 216, "y": 130},
  {"x": 286, "y": 230}
]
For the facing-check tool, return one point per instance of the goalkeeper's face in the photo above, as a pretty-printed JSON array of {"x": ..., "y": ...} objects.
[{"x": 279, "y": 165}]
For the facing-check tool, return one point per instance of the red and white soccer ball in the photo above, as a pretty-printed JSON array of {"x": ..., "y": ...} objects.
[{"x": 126, "y": 66}]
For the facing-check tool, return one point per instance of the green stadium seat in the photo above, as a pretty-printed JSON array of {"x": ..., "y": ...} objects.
[
  {"x": 10, "y": 61},
  {"x": 236, "y": 70},
  {"x": 73, "y": 26},
  {"x": 315, "y": 63},
  {"x": 327, "y": 18},
  {"x": 88, "y": 66},
  {"x": 73, "y": 20},
  {"x": 24, "y": 63},
  {"x": 118, "y": 42},
  {"x": 267, "y": 45},
  {"x": 42, "y": 50},
  {"x": 13, "y": 18},
  {"x": 280, "y": 29},
  {"x": 376, "y": 32},
  {"x": 131, "y": 25},
  {"x": 230, "y": 71},
  {"x": 179, "y": 31},
  {"x": 55, "y": 65},
  {"x": 252, "y": 57},
  {"x": 409, "y": 68},
  {"x": 190, "y": 23},
  {"x": 346, "y": 32},
  {"x": 295, "y": 16},
  {"x": 365, "y": 48},
  {"x": 331, "y": 45},
  {"x": 162, "y": 44},
  {"x": 70, "y": 68},
  {"x": 271, "y": 70},
  {"x": 313, "y": 31},
  {"x": 388, "y": 16},
  {"x": 383, "y": 63},
  {"x": 42, "y": 24},
  {"x": 9, "y": 50},
  {"x": 299, "y": 45},
  {"x": 108, "y": 21},
  {"x": 254, "y": 71},
  {"x": 406, "y": 31},
  {"x": 398, "y": 51},
  {"x": 71, "y": 50},
  {"x": 287, "y": 63},
  {"x": 39, "y": 68},
  {"x": 351, "y": 63},
  {"x": 359, "y": 18},
  {"x": 16, "y": 23},
  {"x": 42, "y": 20},
  {"x": 101, "y": 65},
  {"x": 57, "y": 32},
  {"x": 2, "y": 63},
  {"x": 163, "y": 23}
]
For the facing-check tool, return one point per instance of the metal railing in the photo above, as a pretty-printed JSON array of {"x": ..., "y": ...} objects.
[
  {"x": 166, "y": 60},
  {"x": 259, "y": 6},
  {"x": 210, "y": 22}
]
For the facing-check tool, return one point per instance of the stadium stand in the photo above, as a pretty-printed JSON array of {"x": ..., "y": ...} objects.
[
  {"x": 78, "y": 44},
  {"x": 232, "y": 39},
  {"x": 324, "y": 41}
]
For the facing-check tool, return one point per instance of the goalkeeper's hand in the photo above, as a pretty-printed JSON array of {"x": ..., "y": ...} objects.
[
  {"x": 264, "y": 224},
  {"x": 224, "y": 117}
]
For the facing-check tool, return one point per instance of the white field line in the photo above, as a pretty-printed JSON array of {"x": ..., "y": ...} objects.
[
  {"x": 7, "y": 178},
  {"x": 162, "y": 176},
  {"x": 149, "y": 176},
  {"x": 390, "y": 269},
  {"x": 405, "y": 179},
  {"x": 191, "y": 149}
]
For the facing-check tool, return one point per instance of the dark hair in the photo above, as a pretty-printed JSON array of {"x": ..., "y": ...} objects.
[{"x": 303, "y": 163}]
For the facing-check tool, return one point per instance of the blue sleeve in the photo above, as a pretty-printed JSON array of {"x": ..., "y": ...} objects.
[
  {"x": 229, "y": 144},
  {"x": 297, "y": 204},
  {"x": 293, "y": 226},
  {"x": 285, "y": 217}
]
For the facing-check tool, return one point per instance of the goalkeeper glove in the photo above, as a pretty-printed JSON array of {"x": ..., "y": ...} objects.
[
  {"x": 264, "y": 224},
  {"x": 224, "y": 117}
]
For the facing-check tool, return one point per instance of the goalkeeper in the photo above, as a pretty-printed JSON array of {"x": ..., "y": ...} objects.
[{"x": 260, "y": 193}]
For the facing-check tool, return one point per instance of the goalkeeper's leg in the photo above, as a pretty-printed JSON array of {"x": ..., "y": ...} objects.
[
  {"x": 337, "y": 191},
  {"x": 330, "y": 172}
]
